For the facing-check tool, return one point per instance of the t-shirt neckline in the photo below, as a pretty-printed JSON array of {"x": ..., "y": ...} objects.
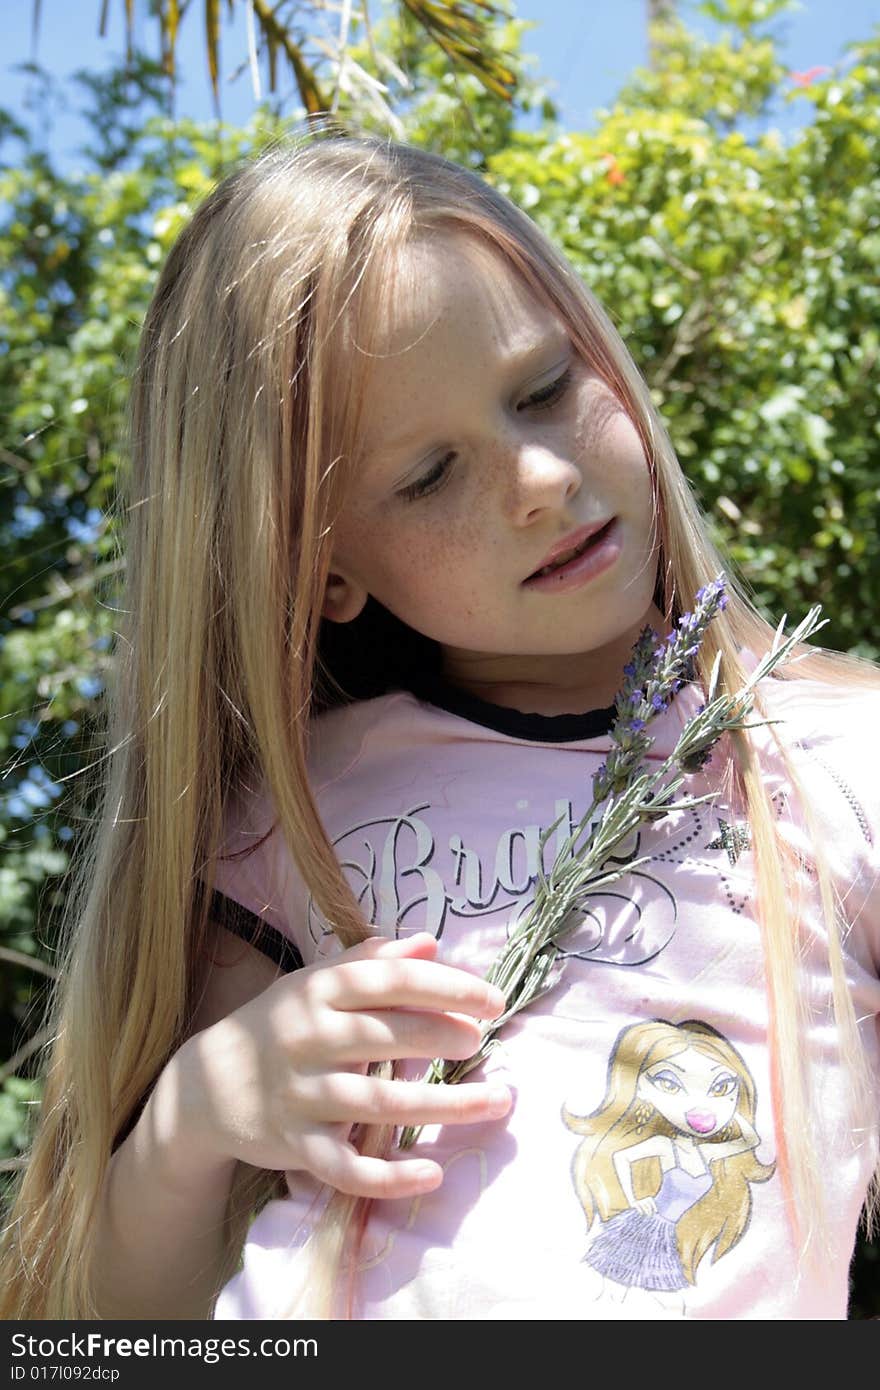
[{"x": 542, "y": 728}]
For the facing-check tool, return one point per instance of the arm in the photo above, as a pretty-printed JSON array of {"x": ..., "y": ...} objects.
[
  {"x": 160, "y": 1240},
  {"x": 657, "y": 1147}
]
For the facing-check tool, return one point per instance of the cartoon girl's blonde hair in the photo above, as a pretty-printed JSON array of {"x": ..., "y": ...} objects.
[
  {"x": 721, "y": 1215},
  {"x": 245, "y": 416}
]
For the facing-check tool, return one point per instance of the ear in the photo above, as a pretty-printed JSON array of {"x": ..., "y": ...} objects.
[{"x": 343, "y": 600}]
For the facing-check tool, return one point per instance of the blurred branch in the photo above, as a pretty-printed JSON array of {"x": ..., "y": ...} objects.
[
  {"x": 14, "y": 461},
  {"x": 29, "y": 962},
  {"x": 31, "y": 1046},
  {"x": 67, "y": 589}
]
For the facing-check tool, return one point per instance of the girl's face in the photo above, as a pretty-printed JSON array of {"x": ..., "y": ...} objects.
[
  {"x": 696, "y": 1094},
  {"x": 487, "y": 444}
]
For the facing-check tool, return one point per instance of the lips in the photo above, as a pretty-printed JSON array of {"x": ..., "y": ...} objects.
[
  {"x": 703, "y": 1121},
  {"x": 573, "y": 544}
]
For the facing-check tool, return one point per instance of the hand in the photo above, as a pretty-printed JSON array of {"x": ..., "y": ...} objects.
[{"x": 280, "y": 1082}]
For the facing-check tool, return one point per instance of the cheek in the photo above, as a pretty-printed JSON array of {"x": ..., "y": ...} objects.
[
  {"x": 405, "y": 554},
  {"x": 675, "y": 1105},
  {"x": 726, "y": 1106},
  {"x": 441, "y": 539},
  {"x": 627, "y": 457}
]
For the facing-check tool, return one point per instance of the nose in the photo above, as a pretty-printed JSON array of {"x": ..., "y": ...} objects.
[{"x": 541, "y": 480}]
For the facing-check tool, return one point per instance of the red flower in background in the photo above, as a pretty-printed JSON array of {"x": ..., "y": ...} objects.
[
  {"x": 615, "y": 173},
  {"x": 804, "y": 79}
]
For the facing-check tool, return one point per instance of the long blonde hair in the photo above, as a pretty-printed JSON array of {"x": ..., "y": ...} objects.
[{"x": 242, "y": 444}]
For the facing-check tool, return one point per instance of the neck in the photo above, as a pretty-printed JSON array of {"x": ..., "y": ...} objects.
[{"x": 560, "y": 683}]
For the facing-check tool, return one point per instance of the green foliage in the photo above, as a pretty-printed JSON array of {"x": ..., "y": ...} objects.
[
  {"x": 16, "y": 1094},
  {"x": 442, "y": 107},
  {"x": 743, "y": 273},
  {"x": 720, "y": 81}
]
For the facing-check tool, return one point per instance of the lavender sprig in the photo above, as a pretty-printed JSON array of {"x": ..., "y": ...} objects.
[
  {"x": 628, "y": 793},
  {"x": 653, "y": 675}
]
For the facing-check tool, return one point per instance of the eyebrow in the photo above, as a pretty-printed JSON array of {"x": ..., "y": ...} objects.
[{"x": 514, "y": 365}]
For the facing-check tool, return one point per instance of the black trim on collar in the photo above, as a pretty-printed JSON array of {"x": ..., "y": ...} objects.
[{"x": 540, "y": 728}]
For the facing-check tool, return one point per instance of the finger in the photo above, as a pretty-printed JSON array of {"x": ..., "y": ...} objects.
[
  {"x": 415, "y": 984},
  {"x": 352, "y": 1098},
  {"x": 339, "y": 1164},
  {"x": 421, "y": 945},
  {"x": 390, "y": 1034}
]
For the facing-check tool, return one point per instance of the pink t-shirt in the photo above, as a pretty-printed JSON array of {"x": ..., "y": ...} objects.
[{"x": 636, "y": 1174}]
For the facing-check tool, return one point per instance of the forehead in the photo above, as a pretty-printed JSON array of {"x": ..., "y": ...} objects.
[
  {"x": 449, "y": 285},
  {"x": 691, "y": 1062}
]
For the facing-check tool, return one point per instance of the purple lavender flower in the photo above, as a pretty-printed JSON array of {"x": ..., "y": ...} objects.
[{"x": 655, "y": 673}]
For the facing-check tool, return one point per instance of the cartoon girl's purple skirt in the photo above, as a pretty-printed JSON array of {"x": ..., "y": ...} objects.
[{"x": 640, "y": 1249}]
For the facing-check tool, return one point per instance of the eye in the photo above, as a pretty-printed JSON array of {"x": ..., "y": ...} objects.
[
  {"x": 431, "y": 481},
  {"x": 665, "y": 1081},
  {"x": 548, "y": 396},
  {"x": 724, "y": 1086}
]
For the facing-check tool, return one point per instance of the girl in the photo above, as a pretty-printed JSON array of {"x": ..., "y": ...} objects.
[{"x": 400, "y": 504}]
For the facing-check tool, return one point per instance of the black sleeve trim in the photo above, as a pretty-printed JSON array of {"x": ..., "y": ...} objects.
[{"x": 226, "y": 912}]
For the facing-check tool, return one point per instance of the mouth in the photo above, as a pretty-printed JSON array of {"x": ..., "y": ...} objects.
[
  {"x": 701, "y": 1120},
  {"x": 565, "y": 557}
]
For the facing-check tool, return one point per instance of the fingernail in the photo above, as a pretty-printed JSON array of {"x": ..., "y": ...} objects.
[
  {"x": 499, "y": 1098},
  {"x": 427, "y": 1172}
]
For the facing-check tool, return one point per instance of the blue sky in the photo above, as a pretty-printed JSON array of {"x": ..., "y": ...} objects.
[{"x": 586, "y": 48}]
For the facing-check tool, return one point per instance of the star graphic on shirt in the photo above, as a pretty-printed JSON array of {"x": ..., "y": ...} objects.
[{"x": 733, "y": 838}]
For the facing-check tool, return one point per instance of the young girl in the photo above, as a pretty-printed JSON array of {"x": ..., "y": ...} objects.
[{"x": 400, "y": 505}]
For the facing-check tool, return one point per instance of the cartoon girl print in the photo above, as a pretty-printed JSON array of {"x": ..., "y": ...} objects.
[{"x": 668, "y": 1158}]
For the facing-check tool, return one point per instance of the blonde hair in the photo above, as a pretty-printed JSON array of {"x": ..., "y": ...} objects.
[
  {"x": 242, "y": 445},
  {"x": 721, "y": 1215}
]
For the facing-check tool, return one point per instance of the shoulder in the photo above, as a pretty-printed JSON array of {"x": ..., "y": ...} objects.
[
  {"x": 339, "y": 738},
  {"x": 233, "y": 973},
  {"x": 831, "y": 734},
  {"x": 253, "y": 869},
  {"x": 839, "y": 723}
]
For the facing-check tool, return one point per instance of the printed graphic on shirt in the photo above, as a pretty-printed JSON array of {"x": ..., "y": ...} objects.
[
  {"x": 406, "y": 878},
  {"x": 733, "y": 838},
  {"x": 665, "y": 1168}
]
